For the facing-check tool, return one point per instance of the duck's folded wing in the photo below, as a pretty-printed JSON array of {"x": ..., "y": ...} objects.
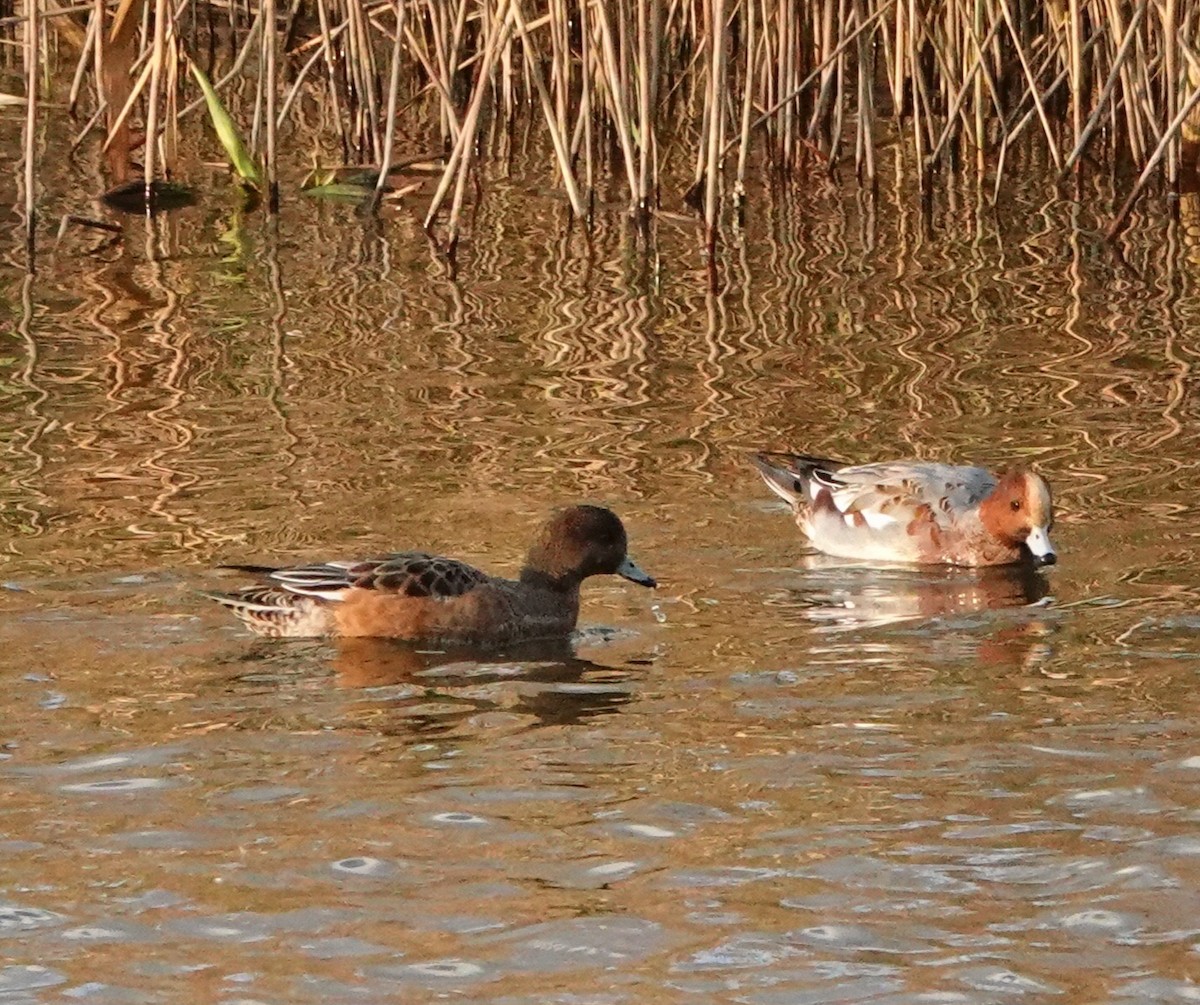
[
  {"x": 418, "y": 575},
  {"x": 408, "y": 574},
  {"x": 894, "y": 491}
]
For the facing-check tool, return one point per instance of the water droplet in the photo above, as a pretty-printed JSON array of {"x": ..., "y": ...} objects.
[{"x": 458, "y": 817}]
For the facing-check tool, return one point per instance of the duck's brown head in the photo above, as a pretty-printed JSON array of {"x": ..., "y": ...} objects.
[
  {"x": 578, "y": 542},
  {"x": 1020, "y": 512}
]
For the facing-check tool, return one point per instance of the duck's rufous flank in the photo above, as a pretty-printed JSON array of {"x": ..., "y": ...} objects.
[
  {"x": 427, "y": 598},
  {"x": 915, "y": 511}
]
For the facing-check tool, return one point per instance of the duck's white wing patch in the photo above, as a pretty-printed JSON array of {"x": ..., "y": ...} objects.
[
  {"x": 873, "y": 518},
  {"x": 877, "y": 520}
]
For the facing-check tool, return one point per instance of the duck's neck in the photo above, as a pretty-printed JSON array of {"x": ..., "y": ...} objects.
[{"x": 542, "y": 580}]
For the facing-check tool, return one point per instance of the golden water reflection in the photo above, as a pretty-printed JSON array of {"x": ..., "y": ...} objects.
[{"x": 772, "y": 778}]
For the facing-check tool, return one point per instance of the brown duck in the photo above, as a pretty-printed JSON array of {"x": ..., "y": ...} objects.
[{"x": 427, "y": 598}]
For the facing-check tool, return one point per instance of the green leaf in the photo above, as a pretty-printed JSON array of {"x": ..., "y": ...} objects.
[
  {"x": 227, "y": 132},
  {"x": 341, "y": 190}
]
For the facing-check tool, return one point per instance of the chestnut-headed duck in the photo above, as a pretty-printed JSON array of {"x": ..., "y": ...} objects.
[
  {"x": 915, "y": 511},
  {"x": 427, "y": 598}
]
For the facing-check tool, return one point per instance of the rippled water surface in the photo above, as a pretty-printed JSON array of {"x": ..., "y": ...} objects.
[{"x": 773, "y": 780}]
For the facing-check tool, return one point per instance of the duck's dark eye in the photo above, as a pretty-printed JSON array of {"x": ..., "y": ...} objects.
[{"x": 1015, "y": 504}]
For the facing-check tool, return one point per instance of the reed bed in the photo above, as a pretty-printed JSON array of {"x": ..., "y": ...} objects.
[{"x": 630, "y": 93}]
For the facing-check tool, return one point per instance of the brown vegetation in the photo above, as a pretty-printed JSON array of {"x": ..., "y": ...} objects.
[{"x": 627, "y": 89}]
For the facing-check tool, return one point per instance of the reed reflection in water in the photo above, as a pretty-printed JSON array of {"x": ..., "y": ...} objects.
[{"x": 773, "y": 780}]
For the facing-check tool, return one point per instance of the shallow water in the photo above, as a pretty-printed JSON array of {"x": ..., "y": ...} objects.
[{"x": 772, "y": 780}]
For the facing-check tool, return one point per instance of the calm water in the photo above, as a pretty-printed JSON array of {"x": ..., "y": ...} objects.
[{"x": 772, "y": 780}]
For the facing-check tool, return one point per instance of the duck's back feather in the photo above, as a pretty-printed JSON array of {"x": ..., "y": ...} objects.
[{"x": 408, "y": 574}]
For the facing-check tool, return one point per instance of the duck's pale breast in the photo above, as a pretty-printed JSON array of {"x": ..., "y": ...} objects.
[
  {"x": 924, "y": 535},
  {"x": 850, "y": 536}
]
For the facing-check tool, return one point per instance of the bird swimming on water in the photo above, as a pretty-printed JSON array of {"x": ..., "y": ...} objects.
[
  {"x": 915, "y": 511},
  {"x": 429, "y": 598}
]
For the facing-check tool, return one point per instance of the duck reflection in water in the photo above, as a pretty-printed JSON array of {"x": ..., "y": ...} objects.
[
  {"x": 840, "y": 595},
  {"x": 426, "y": 691},
  {"x": 542, "y": 683}
]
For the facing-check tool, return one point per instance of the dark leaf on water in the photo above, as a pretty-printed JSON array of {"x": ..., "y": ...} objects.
[{"x": 130, "y": 197}]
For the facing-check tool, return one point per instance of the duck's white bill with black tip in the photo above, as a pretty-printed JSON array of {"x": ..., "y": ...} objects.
[
  {"x": 1038, "y": 543},
  {"x": 628, "y": 568}
]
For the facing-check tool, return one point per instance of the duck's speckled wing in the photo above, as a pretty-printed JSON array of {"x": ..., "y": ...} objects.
[
  {"x": 408, "y": 574},
  {"x": 898, "y": 489}
]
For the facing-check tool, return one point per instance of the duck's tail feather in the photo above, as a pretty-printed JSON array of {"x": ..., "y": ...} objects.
[
  {"x": 254, "y": 570},
  {"x": 274, "y": 612},
  {"x": 796, "y": 478}
]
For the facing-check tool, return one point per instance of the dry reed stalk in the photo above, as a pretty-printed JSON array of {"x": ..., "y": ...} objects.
[
  {"x": 469, "y": 130},
  {"x": 977, "y": 79},
  {"x": 557, "y": 69},
  {"x": 170, "y": 131},
  {"x": 235, "y": 70},
  {"x": 919, "y": 104},
  {"x": 822, "y": 49},
  {"x": 459, "y": 163},
  {"x": 583, "y": 122},
  {"x": 988, "y": 52},
  {"x": 507, "y": 76},
  {"x": 1031, "y": 80},
  {"x": 1170, "y": 135},
  {"x": 449, "y": 119},
  {"x": 1127, "y": 103},
  {"x": 835, "y": 129},
  {"x": 157, "y": 58},
  {"x": 897, "y": 54},
  {"x": 789, "y": 43},
  {"x": 701, "y": 158},
  {"x": 269, "y": 88},
  {"x": 32, "y": 69},
  {"x": 327, "y": 38},
  {"x": 1172, "y": 79},
  {"x": 98, "y": 15},
  {"x": 256, "y": 119},
  {"x": 1013, "y": 134},
  {"x": 657, "y": 77},
  {"x": 946, "y": 66},
  {"x": 960, "y": 97},
  {"x": 456, "y": 36},
  {"x": 86, "y": 52},
  {"x": 1075, "y": 55},
  {"x": 389, "y": 139},
  {"x": 864, "y": 147},
  {"x": 624, "y": 50},
  {"x": 557, "y": 135},
  {"x": 1189, "y": 132},
  {"x": 789, "y": 96},
  {"x": 747, "y": 104},
  {"x": 444, "y": 72},
  {"x": 88, "y": 126},
  {"x": 716, "y": 124},
  {"x": 647, "y": 76},
  {"x": 362, "y": 65},
  {"x": 297, "y": 84},
  {"x": 618, "y": 105},
  {"x": 1115, "y": 72}
]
